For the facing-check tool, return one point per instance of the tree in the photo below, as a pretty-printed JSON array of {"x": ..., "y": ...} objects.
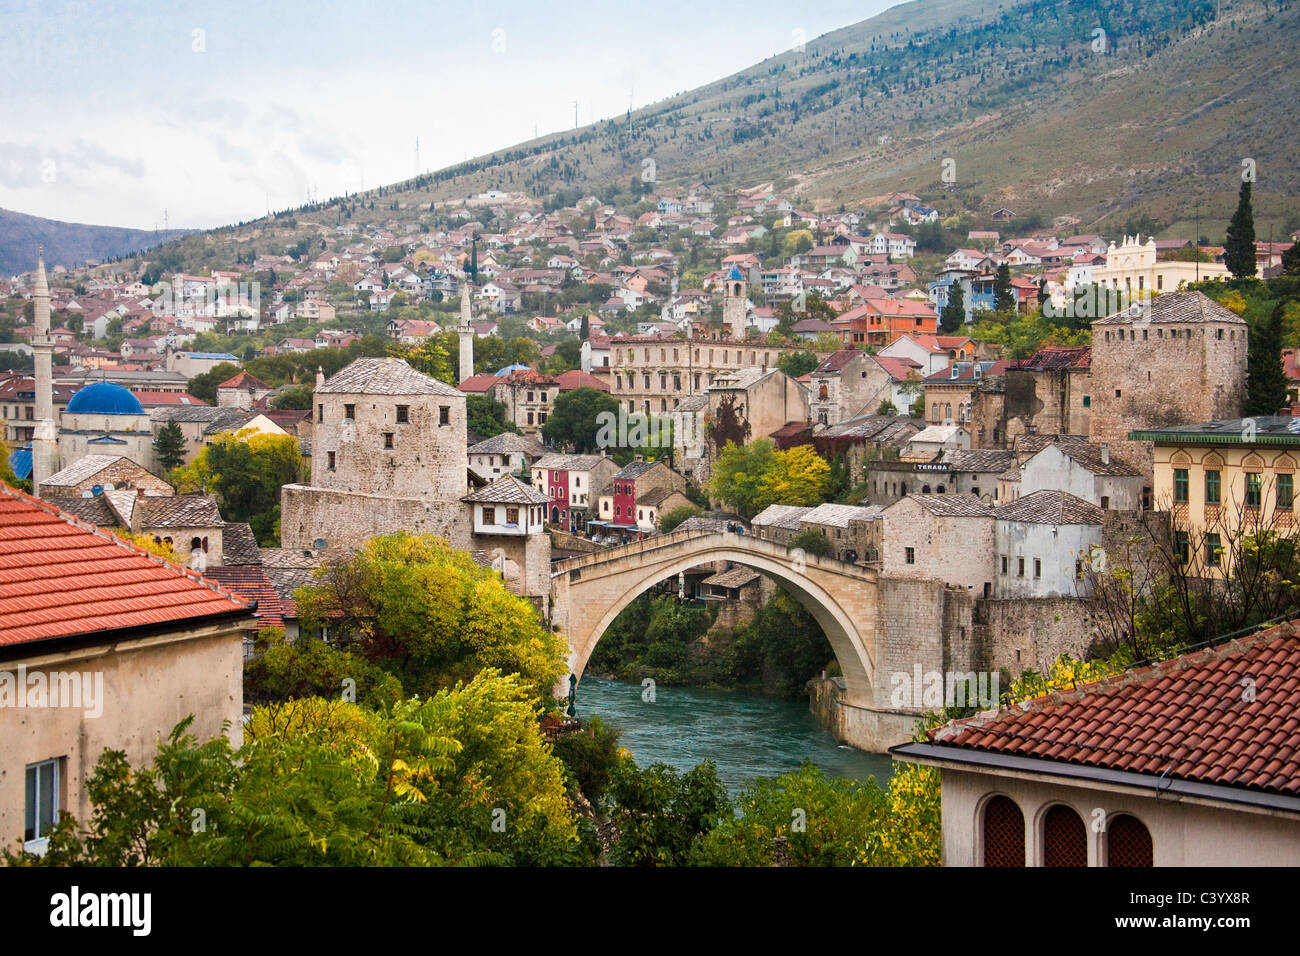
[
  {"x": 797, "y": 476},
  {"x": 953, "y": 315},
  {"x": 575, "y": 419},
  {"x": 672, "y": 519},
  {"x": 1266, "y": 381},
  {"x": 737, "y": 473},
  {"x": 1291, "y": 260},
  {"x": 1239, "y": 244},
  {"x": 246, "y": 471},
  {"x": 661, "y": 814},
  {"x": 1004, "y": 295},
  {"x": 428, "y": 614},
  {"x": 204, "y": 385},
  {"x": 296, "y": 397},
  {"x": 813, "y": 541},
  {"x": 584, "y": 331},
  {"x": 486, "y": 417},
  {"x": 798, "y": 363},
  {"x": 169, "y": 446}
]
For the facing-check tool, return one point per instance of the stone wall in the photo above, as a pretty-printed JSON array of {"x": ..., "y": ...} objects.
[
  {"x": 346, "y": 519},
  {"x": 1031, "y": 633}
]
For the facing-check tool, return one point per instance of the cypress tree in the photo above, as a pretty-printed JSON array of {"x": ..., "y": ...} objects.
[
  {"x": 1239, "y": 246},
  {"x": 1291, "y": 260},
  {"x": 1004, "y": 298},
  {"x": 953, "y": 315},
  {"x": 169, "y": 446},
  {"x": 1266, "y": 381}
]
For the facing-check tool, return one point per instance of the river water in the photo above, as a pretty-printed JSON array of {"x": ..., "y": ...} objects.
[{"x": 747, "y": 735}]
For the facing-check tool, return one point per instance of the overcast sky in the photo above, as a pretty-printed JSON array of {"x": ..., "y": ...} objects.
[{"x": 112, "y": 112}]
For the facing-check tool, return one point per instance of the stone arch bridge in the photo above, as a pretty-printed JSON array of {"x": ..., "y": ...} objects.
[{"x": 589, "y": 591}]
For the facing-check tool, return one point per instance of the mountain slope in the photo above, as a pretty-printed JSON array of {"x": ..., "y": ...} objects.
[
  {"x": 68, "y": 243},
  {"x": 1098, "y": 109}
]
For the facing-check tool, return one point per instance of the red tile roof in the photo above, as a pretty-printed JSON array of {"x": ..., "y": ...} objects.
[
  {"x": 479, "y": 384},
  {"x": 243, "y": 379},
  {"x": 250, "y": 583},
  {"x": 577, "y": 378},
  {"x": 1189, "y": 718},
  {"x": 58, "y": 579}
]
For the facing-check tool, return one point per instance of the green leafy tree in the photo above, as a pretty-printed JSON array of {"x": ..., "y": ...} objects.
[
  {"x": 662, "y": 814},
  {"x": 204, "y": 385},
  {"x": 813, "y": 541},
  {"x": 1291, "y": 260},
  {"x": 575, "y": 420},
  {"x": 169, "y": 446},
  {"x": 1266, "y": 381},
  {"x": 672, "y": 519},
  {"x": 486, "y": 417},
  {"x": 1239, "y": 244},
  {"x": 246, "y": 471},
  {"x": 738, "y": 472},
  {"x": 296, "y": 397},
  {"x": 798, "y": 363},
  {"x": 428, "y": 614}
]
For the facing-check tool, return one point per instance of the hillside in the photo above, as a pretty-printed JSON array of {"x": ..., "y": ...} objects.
[
  {"x": 68, "y": 243},
  {"x": 1034, "y": 110}
]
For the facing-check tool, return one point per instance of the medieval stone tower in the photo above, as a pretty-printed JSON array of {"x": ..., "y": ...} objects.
[
  {"x": 735, "y": 304},
  {"x": 1180, "y": 360},
  {"x": 388, "y": 454}
]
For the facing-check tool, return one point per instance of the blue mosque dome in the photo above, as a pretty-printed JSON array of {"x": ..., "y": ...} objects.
[{"x": 105, "y": 398}]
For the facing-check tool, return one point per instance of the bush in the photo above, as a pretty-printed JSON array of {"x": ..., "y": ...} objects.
[{"x": 813, "y": 541}]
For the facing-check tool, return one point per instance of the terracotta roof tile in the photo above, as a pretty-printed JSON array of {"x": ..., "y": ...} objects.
[
  {"x": 58, "y": 579},
  {"x": 1189, "y": 718}
]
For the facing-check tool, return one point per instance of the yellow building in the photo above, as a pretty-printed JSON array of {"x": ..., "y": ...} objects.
[
  {"x": 1134, "y": 268},
  {"x": 1222, "y": 479}
]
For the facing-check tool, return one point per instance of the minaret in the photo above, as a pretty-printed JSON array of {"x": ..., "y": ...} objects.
[
  {"x": 466, "y": 332},
  {"x": 45, "y": 442}
]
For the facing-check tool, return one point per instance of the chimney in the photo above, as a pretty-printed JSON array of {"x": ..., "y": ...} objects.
[
  {"x": 1105, "y": 453},
  {"x": 139, "y": 492}
]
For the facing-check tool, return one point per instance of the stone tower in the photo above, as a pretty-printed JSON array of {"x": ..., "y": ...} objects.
[
  {"x": 1178, "y": 361},
  {"x": 45, "y": 439},
  {"x": 466, "y": 331},
  {"x": 735, "y": 304}
]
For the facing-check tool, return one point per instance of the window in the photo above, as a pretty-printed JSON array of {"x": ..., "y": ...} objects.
[
  {"x": 489, "y": 515},
  {"x": 1212, "y": 487},
  {"x": 1213, "y": 550},
  {"x": 910, "y": 555},
  {"x": 1105, "y": 502},
  {"x": 349, "y": 413},
  {"x": 512, "y": 516},
  {"x": 1038, "y": 568},
  {"x": 1128, "y": 842},
  {"x": 1252, "y": 489},
  {"x": 388, "y": 439},
  {"x": 1065, "y": 842},
  {"x": 1004, "y": 564},
  {"x": 1004, "y": 833},
  {"x": 320, "y": 413},
  {"x": 1285, "y": 490},
  {"x": 1180, "y": 485},
  {"x": 1020, "y": 567},
  {"x": 1182, "y": 549},
  {"x": 331, "y": 461},
  {"x": 530, "y": 418},
  {"x": 444, "y": 414},
  {"x": 403, "y": 414},
  {"x": 42, "y": 802}
]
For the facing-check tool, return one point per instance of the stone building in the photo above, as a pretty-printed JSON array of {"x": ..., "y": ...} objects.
[
  {"x": 504, "y": 454},
  {"x": 528, "y": 396},
  {"x": 853, "y": 531},
  {"x": 1180, "y": 360},
  {"x": 1085, "y": 470},
  {"x": 652, "y": 375},
  {"x": 389, "y": 454},
  {"x": 94, "y": 474},
  {"x": 242, "y": 390},
  {"x": 947, "y": 538},
  {"x": 1040, "y": 541},
  {"x": 762, "y": 400},
  {"x": 105, "y": 419},
  {"x": 1049, "y": 392},
  {"x": 848, "y": 383}
]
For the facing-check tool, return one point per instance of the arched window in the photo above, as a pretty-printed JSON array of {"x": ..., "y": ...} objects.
[
  {"x": 196, "y": 544},
  {"x": 1128, "y": 842},
  {"x": 1004, "y": 833},
  {"x": 947, "y": 412},
  {"x": 1065, "y": 841}
]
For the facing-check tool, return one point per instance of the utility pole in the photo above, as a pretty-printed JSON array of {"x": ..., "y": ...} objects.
[
  {"x": 417, "y": 155},
  {"x": 575, "y": 114},
  {"x": 1196, "y": 243}
]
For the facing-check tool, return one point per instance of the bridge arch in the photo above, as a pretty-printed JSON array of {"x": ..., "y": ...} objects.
[{"x": 589, "y": 592}]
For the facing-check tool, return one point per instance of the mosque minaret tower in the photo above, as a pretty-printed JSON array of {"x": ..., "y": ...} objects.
[{"x": 45, "y": 441}]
